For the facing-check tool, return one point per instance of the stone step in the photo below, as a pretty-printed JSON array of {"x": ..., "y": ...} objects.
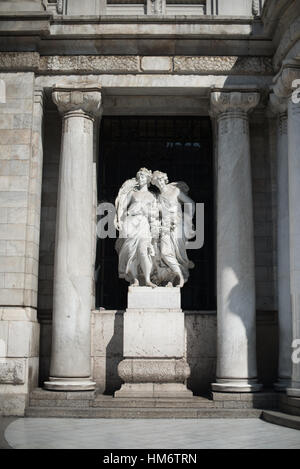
[
  {"x": 279, "y": 418},
  {"x": 194, "y": 402},
  {"x": 144, "y": 413},
  {"x": 111, "y": 402}
]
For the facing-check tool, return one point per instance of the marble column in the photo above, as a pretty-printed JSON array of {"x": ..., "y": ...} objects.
[
  {"x": 73, "y": 266},
  {"x": 294, "y": 207},
  {"x": 278, "y": 106},
  {"x": 287, "y": 86},
  {"x": 236, "y": 361}
]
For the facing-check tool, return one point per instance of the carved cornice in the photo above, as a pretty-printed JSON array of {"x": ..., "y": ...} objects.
[
  {"x": 233, "y": 101},
  {"x": 284, "y": 81},
  {"x": 77, "y": 64},
  {"x": 86, "y": 99}
]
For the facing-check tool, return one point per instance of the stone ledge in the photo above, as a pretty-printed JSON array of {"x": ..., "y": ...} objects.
[
  {"x": 40, "y": 393},
  {"x": 228, "y": 396}
]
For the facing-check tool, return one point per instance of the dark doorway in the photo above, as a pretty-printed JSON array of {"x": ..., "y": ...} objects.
[{"x": 181, "y": 147}]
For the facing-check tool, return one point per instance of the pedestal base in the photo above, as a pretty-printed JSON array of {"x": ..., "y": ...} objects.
[
  {"x": 239, "y": 385},
  {"x": 144, "y": 390},
  {"x": 293, "y": 392},
  {"x": 70, "y": 384},
  {"x": 154, "y": 345}
]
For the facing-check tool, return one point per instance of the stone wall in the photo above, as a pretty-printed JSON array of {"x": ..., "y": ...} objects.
[{"x": 20, "y": 180}]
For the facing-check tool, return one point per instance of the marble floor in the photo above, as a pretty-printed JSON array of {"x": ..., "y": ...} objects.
[{"x": 50, "y": 433}]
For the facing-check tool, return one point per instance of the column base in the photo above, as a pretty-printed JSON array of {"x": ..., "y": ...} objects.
[
  {"x": 70, "y": 384},
  {"x": 282, "y": 385},
  {"x": 144, "y": 390},
  {"x": 238, "y": 385},
  {"x": 293, "y": 392}
]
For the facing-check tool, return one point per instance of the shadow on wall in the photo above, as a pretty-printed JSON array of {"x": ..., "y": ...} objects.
[
  {"x": 201, "y": 350},
  {"x": 114, "y": 355}
]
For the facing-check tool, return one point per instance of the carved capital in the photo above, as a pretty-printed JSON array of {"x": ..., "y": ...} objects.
[
  {"x": 86, "y": 99},
  {"x": 233, "y": 101},
  {"x": 285, "y": 82},
  {"x": 277, "y": 105}
]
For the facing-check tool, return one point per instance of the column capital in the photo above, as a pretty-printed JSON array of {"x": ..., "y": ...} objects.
[
  {"x": 285, "y": 80},
  {"x": 86, "y": 99},
  {"x": 232, "y": 101},
  {"x": 277, "y": 105}
]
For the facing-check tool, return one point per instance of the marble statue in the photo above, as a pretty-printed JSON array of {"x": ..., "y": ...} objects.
[
  {"x": 153, "y": 229},
  {"x": 134, "y": 206},
  {"x": 175, "y": 229}
]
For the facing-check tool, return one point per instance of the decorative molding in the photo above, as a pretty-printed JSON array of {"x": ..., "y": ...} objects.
[
  {"x": 229, "y": 64},
  {"x": 235, "y": 103},
  {"x": 84, "y": 99},
  {"x": 89, "y": 64},
  {"x": 60, "y": 7},
  {"x": 283, "y": 86},
  {"x": 97, "y": 64},
  {"x": 13, "y": 61},
  {"x": 12, "y": 371},
  {"x": 255, "y": 7},
  {"x": 156, "y": 7},
  {"x": 153, "y": 370}
]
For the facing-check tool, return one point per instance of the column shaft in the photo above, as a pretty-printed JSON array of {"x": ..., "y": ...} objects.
[
  {"x": 294, "y": 207},
  {"x": 73, "y": 267},
  {"x": 236, "y": 362},
  {"x": 279, "y": 107}
]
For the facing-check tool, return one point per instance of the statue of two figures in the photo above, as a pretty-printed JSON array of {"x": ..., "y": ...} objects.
[{"x": 153, "y": 229}]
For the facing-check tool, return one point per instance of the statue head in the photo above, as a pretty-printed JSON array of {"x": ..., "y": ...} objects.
[
  {"x": 159, "y": 179},
  {"x": 144, "y": 176}
]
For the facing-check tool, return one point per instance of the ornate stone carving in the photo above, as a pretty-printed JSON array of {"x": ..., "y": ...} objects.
[
  {"x": 155, "y": 7},
  {"x": 13, "y": 61},
  {"x": 90, "y": 63},
  {"x": 283, "y": 87},
  {"x": 86, "y": 99},
  {"x": 233, "y": 101},
  {"x": 151, "y": 370},
  {"x": 230, "y": 64},
  {"x": 255, "y": 7},
  {"x": 60, "y": 7},
  {"x": 12, "y": 371},
  {"x": 153, "y": 230}
]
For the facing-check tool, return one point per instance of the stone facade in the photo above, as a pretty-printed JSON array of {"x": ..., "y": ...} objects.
[{"x": 224, "y": 61}]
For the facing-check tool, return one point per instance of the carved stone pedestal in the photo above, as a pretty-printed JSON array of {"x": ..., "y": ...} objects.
[{"x": 154, "y": 345}]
